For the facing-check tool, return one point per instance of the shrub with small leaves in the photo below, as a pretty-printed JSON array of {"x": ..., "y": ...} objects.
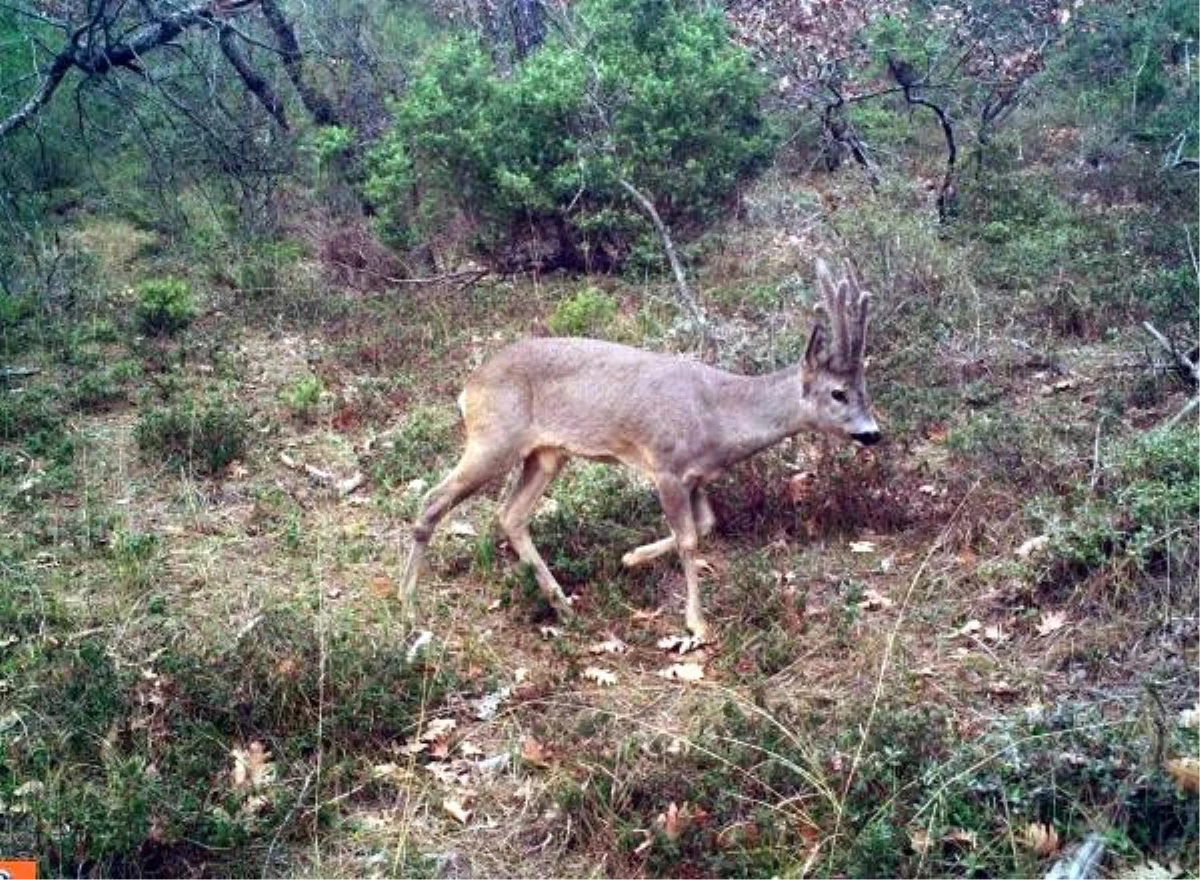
[
  {"x": 586, "y": 313},
  {"x": 164, "y": 306},
  {"x": 202, "y": 436}
]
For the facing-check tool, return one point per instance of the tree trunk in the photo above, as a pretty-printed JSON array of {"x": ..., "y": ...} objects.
[{"x": 318, "y": 105}]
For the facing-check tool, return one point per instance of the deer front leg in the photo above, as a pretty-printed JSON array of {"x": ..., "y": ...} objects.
[
  {"x": 677, "y": 503},
  {"x": 704, "y": 517}
]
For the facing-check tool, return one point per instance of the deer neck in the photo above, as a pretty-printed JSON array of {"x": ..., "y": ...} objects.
[{"x": 763, "y": 410}]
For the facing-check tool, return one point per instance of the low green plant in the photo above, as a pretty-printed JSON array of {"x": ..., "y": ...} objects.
[
  {"x": 164, "y": 306},
  {"x": 303, "y": 395},
  {"x": 423, "y": 448},
  {"x": 201, "y": 435},
  {"x": 1142, "y": 514},
  {"x": 588, "y": 312}
]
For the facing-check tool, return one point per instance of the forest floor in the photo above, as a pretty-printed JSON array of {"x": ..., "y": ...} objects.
[{"x": 903, "y": 681}]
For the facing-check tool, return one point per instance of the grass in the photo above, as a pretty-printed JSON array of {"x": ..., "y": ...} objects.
[{"x": 205, "y": 671}]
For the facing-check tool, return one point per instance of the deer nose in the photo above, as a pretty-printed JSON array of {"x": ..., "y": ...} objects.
[{"x": 867, "y": 438}]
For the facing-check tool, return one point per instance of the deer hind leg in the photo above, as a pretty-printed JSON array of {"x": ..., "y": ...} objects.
[
  {"x": 478, "y": 465},
  {"x": 538, "y": 471},
  {"x": 678, "y": 505},
  {"x": 702, "y": 514}
]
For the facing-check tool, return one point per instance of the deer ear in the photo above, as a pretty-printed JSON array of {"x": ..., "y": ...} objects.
[{"x": 817, "y": 353}]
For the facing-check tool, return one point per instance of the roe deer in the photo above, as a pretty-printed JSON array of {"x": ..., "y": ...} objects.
[{"x": 680, "y": 422}]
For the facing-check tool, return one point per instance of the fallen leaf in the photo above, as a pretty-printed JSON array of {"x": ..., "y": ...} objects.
[
  {"x": 494, "y": 605},
  {"x": 252, "y": 767},
  {"x": 600, "y": 676},
  {"x": 462, "y": 529},
  {"x": 995, "y": 633},
  {"x": 1032, "y": 546},
  {"x": 1001, "y": 688},
  {"x": 682, "y": 672},
  {"x": 1052, "y": 621},
  {"x": 533, "y": 752},
  {"x": 1042, "y": 839},
  {"x": 382, "y": 586},
  {"x": 1185, "y": 773},
  {"x": 873, "y": 600},
  {"x": 1190, "y": 718},
  {"x": 550, "y": 632},
  {"x": 455, "y": 808},
  {"x": 862, "y": 547},
  {"x": 918, "y": 839},
  {"x": 675, "y": 820},
  {"x": 611, "y": 645},
  {"x": 961, "y": 837},
  {"x": 679, "y": 644},
  {"x": 641, "y": 614},
  {"x": 520, "y": 674},
  {"x": 334, "y": 593},
  {"x": 468, "y": 749},
  {"x": 438, "y": 728}
]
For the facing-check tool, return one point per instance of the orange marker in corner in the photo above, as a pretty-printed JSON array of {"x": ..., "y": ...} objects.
[{"x": 18, "y": 869}]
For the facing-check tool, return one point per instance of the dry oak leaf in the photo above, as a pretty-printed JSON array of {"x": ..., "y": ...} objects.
[
  {"x": 680, "y": 644},
  {"x": 252, "y": 767},
  {"x": 455, "y": 808},
  {"x": 1052, "y": 621},
  {"x": 1042, "y": 839},
  {"x": 611, "y": 645},
  {"x": 873, "y": 600},
  {"x": 918, "y": 839},
  {"x": 534, "y": 752},
  {"x": 682, "y": 672},
  {"x": 1185, "y": 773},
  {"x": 600, "y": 676}
]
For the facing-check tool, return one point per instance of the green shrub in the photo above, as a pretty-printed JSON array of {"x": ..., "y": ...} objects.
[
  {"x": 679, "y": 119},
  {"x": 302, "y": 395},
  {"x": 201, "y": 436},
  {"x": 1144, "y": 513},
  {"x": 423, "y": 448},
  {"x": 586, "y": 313},
  {"x": 164, "y": 306}
]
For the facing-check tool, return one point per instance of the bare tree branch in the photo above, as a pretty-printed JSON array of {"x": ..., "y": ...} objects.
[{"x": 253, "y": 80}]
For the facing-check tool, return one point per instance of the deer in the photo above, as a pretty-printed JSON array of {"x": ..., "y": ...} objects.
[{"x": 542, "y": 400}]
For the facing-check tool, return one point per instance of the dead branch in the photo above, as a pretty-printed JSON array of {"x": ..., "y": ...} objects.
[
  {"x": 1186, "y": 365},
  {"x": 686, "y": 298}
]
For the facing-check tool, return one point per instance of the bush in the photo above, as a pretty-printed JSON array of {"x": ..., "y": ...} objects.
[
  {"x": 1144, "y": 514},
  {"x": 203, "y": 437},
  {"x": 531, "y": 152},
  {"x": 164, "y": 306},
  {"x": 587, "y": 313}
]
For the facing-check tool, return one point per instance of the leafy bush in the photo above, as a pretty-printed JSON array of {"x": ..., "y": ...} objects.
[
  {"x": 586, "y": 313},
  {"x": 164, "y": 306},
  {"x": 203, "y": 437},
  {"x": 651, "y": 92},
  {"x": 302, "y": 395},
  {"x": 1145, "y": 514}
]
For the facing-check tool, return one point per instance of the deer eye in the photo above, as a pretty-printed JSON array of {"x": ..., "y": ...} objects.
[{"x": 838, "y": 394}]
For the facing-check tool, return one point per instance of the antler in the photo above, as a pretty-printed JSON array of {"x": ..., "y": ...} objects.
[{"x": 846, "y": 305}]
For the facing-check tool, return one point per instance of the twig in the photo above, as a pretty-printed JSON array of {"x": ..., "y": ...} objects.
[
  {"x": 467, "y": 276},
  {"x": 1185, "y": 363},
  {"x": 1187, "y": 232},
  {"x": 686, "y": 298},
  {"x": 1187, "y": 366}
]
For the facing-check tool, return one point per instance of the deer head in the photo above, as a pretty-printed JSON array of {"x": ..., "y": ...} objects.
[{"x": 832, "y": 376}]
